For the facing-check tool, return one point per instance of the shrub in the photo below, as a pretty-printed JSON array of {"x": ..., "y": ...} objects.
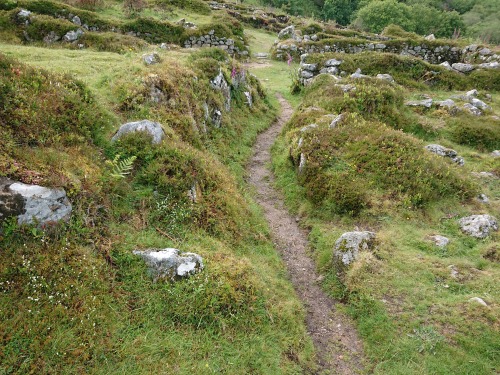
[
  {"x": 197, "y": 6},
  {"x": 483, "y": 135},
  {"x": 112, "y": 42}
]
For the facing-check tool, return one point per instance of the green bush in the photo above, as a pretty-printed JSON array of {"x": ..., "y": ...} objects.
[
  {"x": 112, "y": 42},
  {"x": 483, "y": 135},
  {"x": 155, "y": 31},
  {"x": 198, "y": 6}
]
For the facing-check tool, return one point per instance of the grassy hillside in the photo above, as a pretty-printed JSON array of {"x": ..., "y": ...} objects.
[
  {"x": 74, "y": 298},
  {"x": 370, "y": 172}
]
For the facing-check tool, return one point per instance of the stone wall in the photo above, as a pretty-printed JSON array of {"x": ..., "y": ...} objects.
[{"x": 211, "y": 40}]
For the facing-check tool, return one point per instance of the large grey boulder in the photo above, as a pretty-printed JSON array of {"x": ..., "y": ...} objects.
[
  {"x": 480, "y": 104},
  {"x": 385, "y": 77},
  {"x": 220, "y": 83},
  {"x": 348, "y": 247},
  {"x": 478, "y": 226},
  {"x": 170, "y": 263},
  {"x": 463, "y": 68},
  {"x": 445, "y": 152},
  {"x": 153, "y": 128},
  {"x": 33, "y": 203}
]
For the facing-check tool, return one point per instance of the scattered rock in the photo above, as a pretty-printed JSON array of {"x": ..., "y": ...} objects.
[
  {"x": 309, "y": 67},
  {"x": 446, "y": 65},
  {"x": 302, "y": 163},
  {"x": 349, "y": 245},
  {"x": 449, "y": 104},
  {"x": 483, "y": 198},
  {"x": 151, "y": 58},
  {"x": 427, "y": 103},
  {"x": 248, "y": 96},
  {"x": 220, "y": 83},
  {"x": 287, "y": 33},
  {"x": 480, "y": 104},
  {"x": 333, "y": 62},
  {"x": 446, "y": 152},
  {"x": 170, "y": 264},
  {"x": 463, "y": 68},
  {"x": 483, "y": 174},
  {"x": 33, "y": 203},
  {"x": 24, "y": 13},
  {"x": 330, "y": 70},
  {"x": 471, "y": 94},
  {"x": 71, "y": 36},
  {"x": 439, "y": 241},
  {"x": 346, "y": 88},
  {"x": 357, "y": 74},
  {"x": 478, "y": 226},
  {"x": 153, "y": 128},
  {"x": 495, "y": 154},
  {"x": 386, "y": 77},
  {"x": 485, "y": 51},
  {"x": 51, "y": 37},
  {"x": 473, "y": 110},
  {"x": 77, "y": 21},
  {"x": 454, "y": 272},
  {"x": 335, "y": 121},
  {"x": 478, "y": 300},
  {"x": 430, "y": 37},
  {"x": 490, "y": 65}
]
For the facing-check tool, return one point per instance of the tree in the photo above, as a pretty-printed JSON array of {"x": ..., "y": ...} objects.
[
  {"x": 377, "y": 15},
  {"x": 339, "y": 10}
]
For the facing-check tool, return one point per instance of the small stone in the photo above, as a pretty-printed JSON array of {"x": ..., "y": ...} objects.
[
  {"x": 357, "y": 74},
  {"x": 23, "y": 13},
  {"x": 329, "y": 70},
  {"x": 76, "y": 20},
  {"x": 485, "y": 51},
  {"x": 446, "y": 65},
  {"x": 336, "y": 121},
  {"x": 483, "y": 198},
  {"x": 430, "y": 37},
  {"x": 454, "y": 272},
  {"x": 495, "y": 154},
  {"x": 440, "y": 241},
  {"x": 471, "y": 94},
  {"x": 151, "y": 58},
  {"x": 306, "y": 74},
  {"x": 71, "y": 36},
  {"x": 349, "y": 245},
  {"x": 170, "y": 264},
  {"x": 427, "y": 103},
  {"x": 445, "y": 152},
  {"x": 478, "y": 300},
  {"x": 480, "y": 104},
  {"x": 385, "y": 77},
  {"x": 333, "y": 62},
  {"x": 309, "y": 67},
  {"x": 51, "y": 37}
]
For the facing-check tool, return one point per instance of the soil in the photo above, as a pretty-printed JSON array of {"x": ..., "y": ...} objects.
[{"x": 338, "y": 347}]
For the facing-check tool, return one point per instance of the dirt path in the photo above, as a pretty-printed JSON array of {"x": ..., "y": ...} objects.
[{"x": 336, "y": 341}]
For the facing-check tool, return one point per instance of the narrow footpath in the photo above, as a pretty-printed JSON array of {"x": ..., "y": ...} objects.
[{"x": 337, "y": 344}]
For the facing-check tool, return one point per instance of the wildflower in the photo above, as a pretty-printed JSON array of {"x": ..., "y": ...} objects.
[{"x": 289, "y": 59}]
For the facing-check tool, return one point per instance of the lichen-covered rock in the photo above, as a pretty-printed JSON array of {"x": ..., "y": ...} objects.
[
  {"x": 446, "y": 65},
  {"x": 478, "y": 226},
  {"x": 480, "y": 104},
  {"x": 357, "y": 74},
  {"x": 348, "y": 247},
  {"x": 445, "y": 152},
  {"x": 448, "y": 104},
  {"x": 248, "y": 97},
  {"x": 151, "y": 58},
  {"x": 333, "y": 62},
  {"x": 170, "y": 263},
  {"x": 32, "y": 203},
  {"x": 495, "y": 153},
  {"x": 51, "y": 37},
  {"x": 153, "y": 128}
]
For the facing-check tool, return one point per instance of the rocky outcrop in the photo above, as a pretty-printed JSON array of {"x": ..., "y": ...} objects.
[
  {"x": 478, "y": 226},
  {"x": 153, "y": 128},
  {"x": 170, "y": 263},
  {"x": 348, "y": 247},
  {"x": 445, "y": 152},
  {"x": 33, "y": 204}
]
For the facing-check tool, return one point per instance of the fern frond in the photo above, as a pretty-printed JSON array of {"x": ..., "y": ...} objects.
[{"x": 121, "y": 168}]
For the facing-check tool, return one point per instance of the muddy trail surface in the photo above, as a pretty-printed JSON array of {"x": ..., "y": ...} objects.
[{"x": 338, "y": 347}]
